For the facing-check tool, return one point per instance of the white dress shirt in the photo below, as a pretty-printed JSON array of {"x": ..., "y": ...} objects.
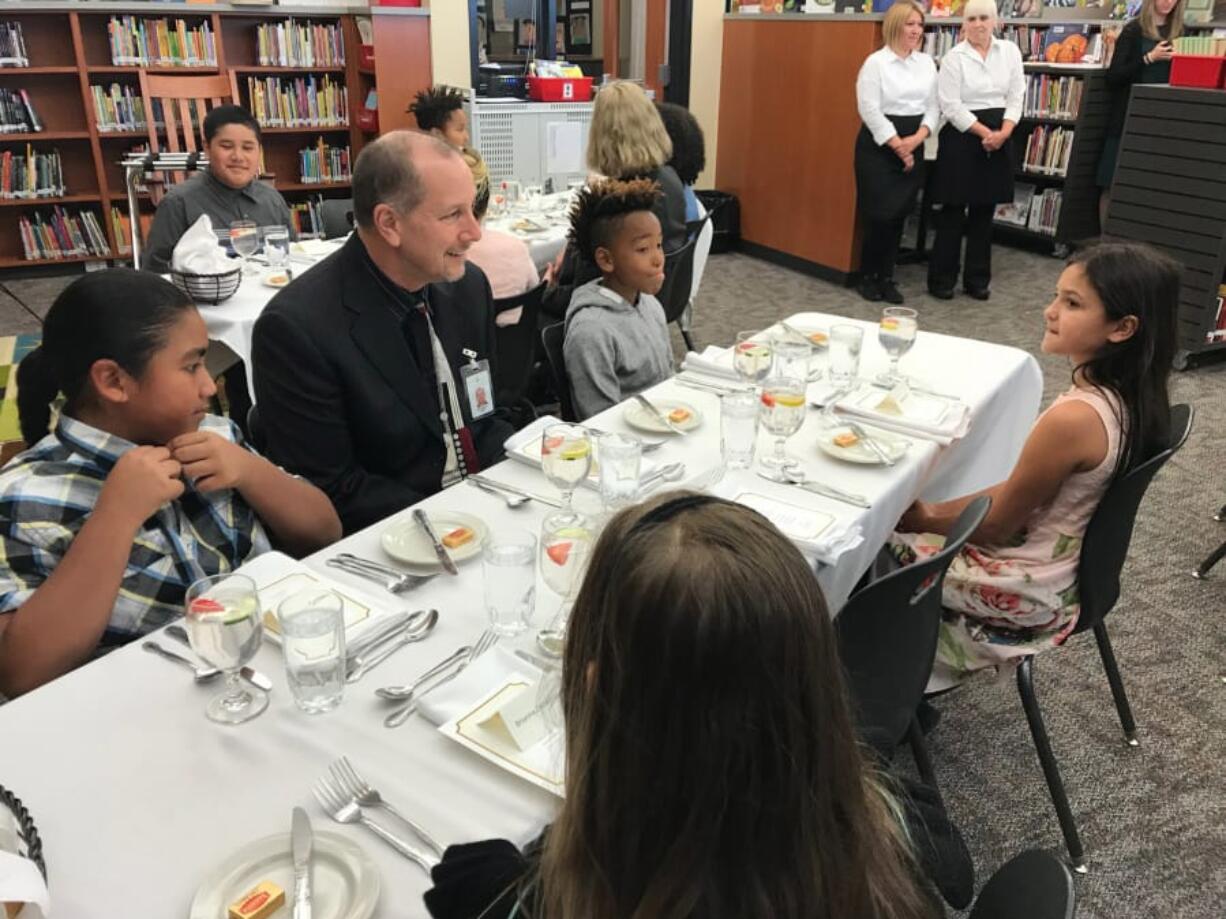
[
  {"x": 893, "y": 85},
  {"x": 969, "y": 82}
]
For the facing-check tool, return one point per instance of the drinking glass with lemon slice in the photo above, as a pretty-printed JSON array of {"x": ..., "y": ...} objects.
[
  {"x": 566, "y": 459},
  {"x": 896, "y": 333},
  {"x": 223, "y": 626},
  {"x": 752, "y": 356},
  {"x": 782, "y": 414},
  {"x": 566, "y": 543}
]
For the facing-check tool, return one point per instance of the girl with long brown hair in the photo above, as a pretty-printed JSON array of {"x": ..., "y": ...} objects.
[{"x": 712, "y": 766}]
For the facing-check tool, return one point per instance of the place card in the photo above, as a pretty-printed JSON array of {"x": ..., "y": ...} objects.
[
  {"x": 793, "y": 522},
  {"x": 519, "y": 716}
]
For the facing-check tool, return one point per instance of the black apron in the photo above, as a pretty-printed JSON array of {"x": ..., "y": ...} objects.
[
  {"x": 883, "y": 190},
  {"x": 968, "y": 174}
]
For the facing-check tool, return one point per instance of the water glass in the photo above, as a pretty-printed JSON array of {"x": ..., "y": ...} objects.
[
  {"x": 792, "y": 359},
  {"x": 313, "y": 642},
  {"x": 752, "y": 356},
  {"x": 566, "y": 459},
  {"x": 738, "y": 428},
  {"x": 222, "y": 613},
  {"x": 245, "y": 240},
  {"x": 845, "y": 343},
  {"x": 511, "y": 190},
  {"x": 620, "y": 458},
  {"x": 783, "y": 414},
  {"x": 896, "y": 333},
  {"x": 276, "y": 245},
  {"x": 509, "y": 565}
]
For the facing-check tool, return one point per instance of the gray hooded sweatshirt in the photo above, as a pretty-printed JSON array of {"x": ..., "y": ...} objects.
[{"x": 613, "y": 349}]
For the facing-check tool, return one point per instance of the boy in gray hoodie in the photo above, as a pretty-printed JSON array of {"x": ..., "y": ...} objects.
[{"x": 617, "y": 340}]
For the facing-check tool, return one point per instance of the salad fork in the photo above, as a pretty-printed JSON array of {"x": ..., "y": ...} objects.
[
  {"x": 366, "y": 796},
  {"x": 345, "y": 809}
]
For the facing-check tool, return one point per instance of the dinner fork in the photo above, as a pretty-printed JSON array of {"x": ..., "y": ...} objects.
[
  {"x": 402, "y": 714},
  {"x": 394, "y": 581},
  {"x": 345, "y": 809},
  {"x": 367, "y": 796}
]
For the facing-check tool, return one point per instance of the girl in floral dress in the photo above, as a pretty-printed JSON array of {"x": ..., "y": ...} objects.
[{"x": 1012, "y": 591}]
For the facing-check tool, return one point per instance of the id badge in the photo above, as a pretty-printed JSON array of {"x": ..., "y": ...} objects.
[{"x": 479, "y": 387}]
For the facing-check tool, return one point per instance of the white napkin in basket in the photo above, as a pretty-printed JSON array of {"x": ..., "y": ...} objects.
[{"x": 197, "y": 251}]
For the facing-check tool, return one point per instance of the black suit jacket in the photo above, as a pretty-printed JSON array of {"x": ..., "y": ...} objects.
[{"x": 341, "y": 399}]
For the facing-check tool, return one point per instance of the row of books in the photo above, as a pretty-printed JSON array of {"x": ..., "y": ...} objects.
[
  {"x": 306, "y": 217},
  {"x": 294, "y": 43},
  {"x": 1218, "y": 332},
  {"x": 1047, "y": 150},
  {"x": 161, "y": 42},
  {"x": 1032, "y": 209},
  {"x": 121, "y": 224},
  {"x": 120, "y": 107},
  {"x": 62, "y": 235},
  {"x": 31, "y": 175},
  {"x": 324, "y": 163},
  {"x": 1049, "y": 96},
  {"x": 12, "y": 46},
  {"x": 17, "y": 114},
  {"x": 283, "y": 102},
  {"x": 1213, "y": 44},
  {"x": 1053, "y": 44}
]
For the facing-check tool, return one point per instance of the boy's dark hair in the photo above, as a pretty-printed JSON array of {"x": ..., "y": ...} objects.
[
  {"x": 689, "y": 146},
  {"x": 223, "y": 115},
  {"x": 432, "y": 107},
  {"x": 601, "y": 208}
]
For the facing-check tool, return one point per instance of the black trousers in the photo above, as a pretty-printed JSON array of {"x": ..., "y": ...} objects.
[
  {"x": 880, "y": 249},
  {"x": 953, "y": 221}
]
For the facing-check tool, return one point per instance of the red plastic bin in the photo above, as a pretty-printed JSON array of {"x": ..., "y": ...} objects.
[
  {"x": 1203, "y": 70},
  {"x": 560, "y": 89}
]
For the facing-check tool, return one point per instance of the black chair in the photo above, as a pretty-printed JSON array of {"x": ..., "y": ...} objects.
[
  {"x": 1202, "y": 570},
  {"x": 255, "y": 433},
  {"x": 674, "y": 296},
  {"x": 1033, "y": 885},
  {"x": 552, "y": 339},
  {"x": 887, "y": 635},
  {"x": 1103, "y": 552},
  {"x": 336, "y": 215},
  {"x": 517, "y": 348}
]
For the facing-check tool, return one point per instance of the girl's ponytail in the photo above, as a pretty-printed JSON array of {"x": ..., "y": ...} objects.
[{"x": 37, "y": 387}]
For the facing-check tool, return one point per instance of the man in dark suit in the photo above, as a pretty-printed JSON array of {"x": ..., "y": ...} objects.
[{"x": 349, "y": 391}]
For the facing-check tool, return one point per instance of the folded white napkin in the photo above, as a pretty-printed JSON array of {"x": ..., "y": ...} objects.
[
  {"x": 197, "y": 251},
  {"x": 529, "y": 433},
  {"x": 317, "y": 248},
  {"x": 493, "y": 669},
  {"x": 861, "y": 404},
  {"x": 22, "y": 882},
  {"x": 713, "y": 362}
]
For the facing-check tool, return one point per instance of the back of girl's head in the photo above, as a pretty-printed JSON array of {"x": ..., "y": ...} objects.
[
  {"x": 118, "y": 314},
  {"x": 712, "y": 768},
  {"x": 627, "y": 137},
  {"x": 1133, "y": 279},
  {"x": 689, "y": 146},
  {"x": 434, "y": 106},
  {"x": 481, "y": 179}
]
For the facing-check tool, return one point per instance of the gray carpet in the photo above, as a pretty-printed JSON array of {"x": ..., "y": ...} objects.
[{"x": 1153, "y": 818}]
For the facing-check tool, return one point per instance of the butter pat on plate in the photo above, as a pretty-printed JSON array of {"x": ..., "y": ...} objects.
[{"x": 261, "y": 901}]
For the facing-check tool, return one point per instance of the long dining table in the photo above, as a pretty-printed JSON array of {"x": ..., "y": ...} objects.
[{"x": 137, "y": 796}]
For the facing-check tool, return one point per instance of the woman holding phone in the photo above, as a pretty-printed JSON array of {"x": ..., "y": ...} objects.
[{"x": 1143, "y": 54}]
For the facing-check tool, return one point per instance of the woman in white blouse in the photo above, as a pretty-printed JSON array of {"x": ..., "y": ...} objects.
[
  {"x": 897, "y": 98},
  {"x": 981, "y": 88}
]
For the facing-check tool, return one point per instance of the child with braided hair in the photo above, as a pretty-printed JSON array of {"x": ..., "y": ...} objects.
[{"x": 616, "y": 341}]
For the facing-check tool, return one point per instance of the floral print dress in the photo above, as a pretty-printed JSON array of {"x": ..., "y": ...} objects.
[{"x": 1005, "y": 602}]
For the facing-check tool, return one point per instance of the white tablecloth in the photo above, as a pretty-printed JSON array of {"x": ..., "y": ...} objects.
[
  {"x": 137, "y": 796},
  {"x": 543, "y": 245}
]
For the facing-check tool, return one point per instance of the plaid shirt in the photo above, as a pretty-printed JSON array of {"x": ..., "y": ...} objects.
[{"x": 48, "y": 492}]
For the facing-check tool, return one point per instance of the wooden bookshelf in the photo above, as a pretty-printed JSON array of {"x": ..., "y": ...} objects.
[{"x": 69, "y": 51}]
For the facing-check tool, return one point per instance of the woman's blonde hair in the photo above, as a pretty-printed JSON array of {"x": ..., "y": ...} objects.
[
  {"x": 980, "y": 8},
  {"x": 895, "y": 18},
  {"x": 712, "y": 766},
  {"x": 627, "y": 137},
  {"x": 1169, "y": 31}
]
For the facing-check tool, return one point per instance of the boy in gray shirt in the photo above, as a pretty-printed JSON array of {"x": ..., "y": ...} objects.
[{"x": 616, "y": 341}]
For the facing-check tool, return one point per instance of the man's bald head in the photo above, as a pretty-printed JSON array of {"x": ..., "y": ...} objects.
[{"x": 389, "y": 171}]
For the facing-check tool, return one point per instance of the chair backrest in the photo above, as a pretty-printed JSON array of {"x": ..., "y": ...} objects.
[
  {"x": 674, "y": 296},
  {"x": 336, "y": 214},
  {"x": 183, "y": 101},
  {"x": 1033, "y": 885},
  {"x": 552, "y": 339},
  {"x": 1109, "y": 533},
  {"x": 702, "y": 249},
  {"x": 887, "y": 636},
  {"x": 516, "y": 345},
  {"x": 255, "y": 433}
]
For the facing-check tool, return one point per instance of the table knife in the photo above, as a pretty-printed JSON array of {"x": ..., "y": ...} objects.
[
  {"x": 439, "y": 549},
  {"x": 660, "y": 416},
  {"x": 254, "y": 677},
  {"x": 481, "y": 480},
  {"x": 869, "y": 442},
  {"x": 301, "y": 842}
]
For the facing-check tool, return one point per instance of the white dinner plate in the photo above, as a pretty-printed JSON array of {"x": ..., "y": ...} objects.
[
  {"x": 891, "y": 444},
  {"x": 346, "y": 882},
  {"x": 637, "y": 416},
  {"x": 406, "y": 542}
]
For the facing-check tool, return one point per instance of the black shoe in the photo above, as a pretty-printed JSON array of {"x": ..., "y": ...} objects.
[
  {"x": 869, "y": 289},
  {"x": 941, "y": 293},
  {"x": 977, "y": 293},
  {"x": 889, "y": 291}
]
